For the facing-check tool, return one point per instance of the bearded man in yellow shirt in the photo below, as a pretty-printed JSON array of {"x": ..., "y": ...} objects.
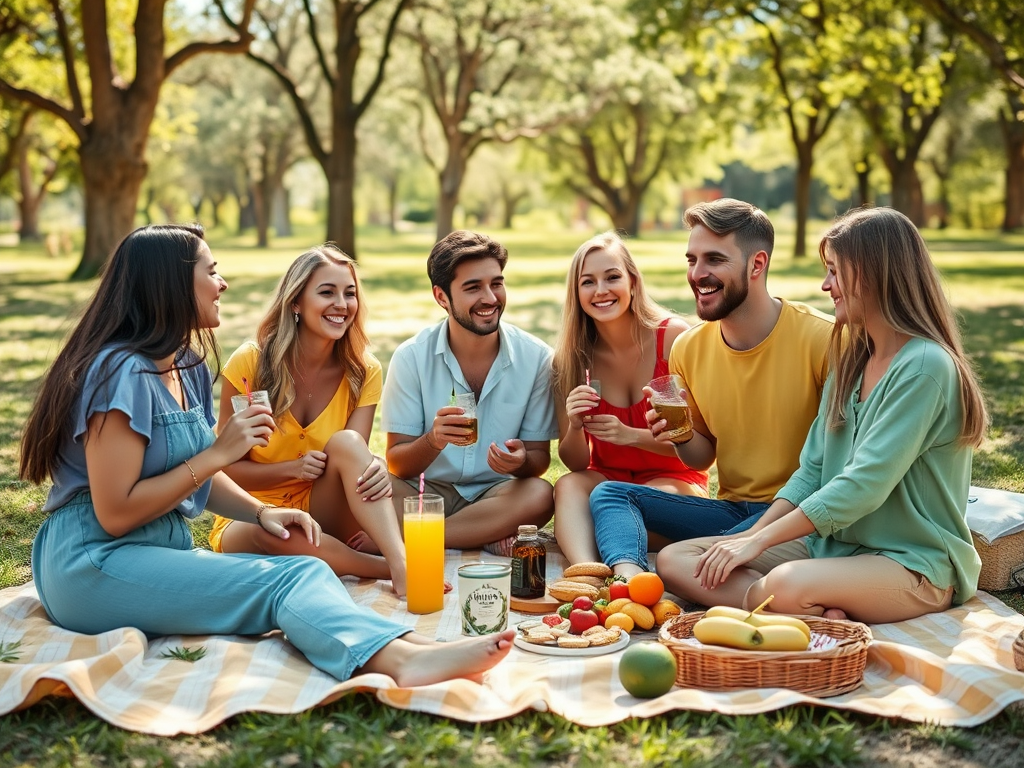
[{"x": 753, "y": 372}]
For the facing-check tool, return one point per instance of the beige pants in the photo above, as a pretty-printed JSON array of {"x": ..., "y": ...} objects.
[{"x": 869, "y": 588}]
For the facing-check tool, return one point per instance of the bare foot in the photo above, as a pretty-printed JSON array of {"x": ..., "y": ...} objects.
[
  {"x": 398, "y": 577},
  {"x": 411, "y": 663},
  {"x": 448, "y": 587},
  {"x": 361, "y": 542},
  {"x": 834, "y": 613},
  {"x": 628, "y": 570}
]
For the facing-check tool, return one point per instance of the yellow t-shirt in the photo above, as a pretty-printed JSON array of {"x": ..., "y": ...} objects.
[
  {"x": 758, "y": 403},
  {"x": 291, "y": 440}
]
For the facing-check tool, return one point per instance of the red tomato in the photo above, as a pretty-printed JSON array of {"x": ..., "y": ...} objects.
[{"x": 618, "y": 589}]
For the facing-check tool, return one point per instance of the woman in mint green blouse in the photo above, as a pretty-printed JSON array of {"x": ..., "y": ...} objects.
[{"x": 872, "y": 525}]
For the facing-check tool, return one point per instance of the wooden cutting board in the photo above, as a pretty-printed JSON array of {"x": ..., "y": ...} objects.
[{"x": 546, "y": 604}]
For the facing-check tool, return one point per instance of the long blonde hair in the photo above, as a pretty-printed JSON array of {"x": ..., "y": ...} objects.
[
  {"x": 879, "y": 253},
  {"x": 575, "y": 345},
  {"x": 277, "y": 335}
]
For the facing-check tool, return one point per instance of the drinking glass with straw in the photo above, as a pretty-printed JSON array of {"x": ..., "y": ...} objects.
[
  {"x": 592, "y": 383},
  {"x": 423, "y": 523},
  {"x": 251, "y": 397}
]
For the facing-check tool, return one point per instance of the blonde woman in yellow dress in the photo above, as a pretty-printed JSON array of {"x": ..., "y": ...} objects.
[{"x": 311, "y": 356}]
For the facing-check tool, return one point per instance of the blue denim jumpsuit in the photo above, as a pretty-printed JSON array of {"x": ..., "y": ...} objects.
[{"x": 154, "y": 580}]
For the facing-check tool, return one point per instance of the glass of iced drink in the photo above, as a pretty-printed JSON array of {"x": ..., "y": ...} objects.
[
  {"x": 670, "y": 403},
  {"x": 467, "y": 402},
  {"x": 241, "y": 402}
]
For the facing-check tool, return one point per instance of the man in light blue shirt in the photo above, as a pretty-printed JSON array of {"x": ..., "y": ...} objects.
[{"x": 493, "y": 486}]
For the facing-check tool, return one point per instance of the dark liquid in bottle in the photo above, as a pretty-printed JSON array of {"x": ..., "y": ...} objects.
[{"x": 529, "y": 561}]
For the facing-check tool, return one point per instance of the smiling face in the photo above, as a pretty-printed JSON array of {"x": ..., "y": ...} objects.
[
  {"x": 478, "y": 296},
  {"x": 603, "y": 287},
  {"x": 209, "y": 285},
  {"x": 329, "y": 302},
  {"x": 717, "y": 273},
  {"x": 838, "y": 284}
]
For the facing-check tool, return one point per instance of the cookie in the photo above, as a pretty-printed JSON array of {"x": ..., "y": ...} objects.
[
  {"x": 603, "y": 638},
  {"x": 538, "y": 637},
  {"x": 573, "y": 641}
]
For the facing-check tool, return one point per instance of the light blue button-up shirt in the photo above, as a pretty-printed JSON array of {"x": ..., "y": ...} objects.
[{"x": 516, "y": 400}]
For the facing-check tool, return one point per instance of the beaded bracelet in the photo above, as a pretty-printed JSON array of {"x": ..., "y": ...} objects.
[
  {"x": 192, "y": 471},
  {"x": 259, "y": 513}
]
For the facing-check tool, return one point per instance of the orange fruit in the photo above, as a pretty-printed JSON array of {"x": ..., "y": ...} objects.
[
  {"x": 663, "y": 610},
  {"x": 619, "y": 620},
  {"x": 640, "y": 614},
  {"x": 646, "y": 588},
  {"x": 647, "y": 670}
]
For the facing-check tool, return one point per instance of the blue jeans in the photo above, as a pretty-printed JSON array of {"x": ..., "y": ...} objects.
[
  {"x": 152, "y": 579},
  {"x": 623, "y": 514}
]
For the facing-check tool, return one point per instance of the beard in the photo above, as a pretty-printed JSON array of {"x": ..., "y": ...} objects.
[
  {"x": 729, "y": 298},
  {"x": 466, "y": 321}
]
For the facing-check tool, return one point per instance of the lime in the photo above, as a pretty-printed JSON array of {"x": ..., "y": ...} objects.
[{"x": 647, "y": 670}]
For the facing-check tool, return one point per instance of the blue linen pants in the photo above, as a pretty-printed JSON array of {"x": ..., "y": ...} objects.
[{"x": 623, "y": 514}]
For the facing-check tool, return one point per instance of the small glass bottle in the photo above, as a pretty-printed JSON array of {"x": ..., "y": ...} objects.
[{"x": 529, "y": 561}]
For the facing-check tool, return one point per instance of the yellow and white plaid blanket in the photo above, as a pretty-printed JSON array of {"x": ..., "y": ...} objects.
[{"x": 954, "y": 668}]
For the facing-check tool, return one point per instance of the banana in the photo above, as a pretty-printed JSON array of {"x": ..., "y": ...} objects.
[
  {"x": 723, "y": 630},
  {"x": 782, "y": 637},
  {"x": 759, "y": 619},
  {"x": 733, "y": 633}
]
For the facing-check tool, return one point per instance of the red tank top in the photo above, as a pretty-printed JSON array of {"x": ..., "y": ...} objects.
[{"x": 621, "y": 462}]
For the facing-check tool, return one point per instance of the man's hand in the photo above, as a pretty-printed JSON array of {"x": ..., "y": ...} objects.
[
  {"x": 506, "y": 462},
  {"x": 449, "y": 427}
]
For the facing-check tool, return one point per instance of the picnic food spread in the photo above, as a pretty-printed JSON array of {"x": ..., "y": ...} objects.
[{"x": 599, "y": 608}]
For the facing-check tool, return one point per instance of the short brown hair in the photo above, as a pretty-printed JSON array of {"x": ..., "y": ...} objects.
[
  {"x": 461, "y": 245},
  {"x": 754, "y": 232}
]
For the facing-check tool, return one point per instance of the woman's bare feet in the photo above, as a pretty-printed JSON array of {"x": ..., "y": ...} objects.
[
  {"x": 834, "y": 613},
  {"x": 412, "y": 662},
  {"x": 629, "y": 570}
]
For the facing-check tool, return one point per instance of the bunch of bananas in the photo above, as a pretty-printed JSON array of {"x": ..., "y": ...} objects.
[{"x": 752, "y": 630}]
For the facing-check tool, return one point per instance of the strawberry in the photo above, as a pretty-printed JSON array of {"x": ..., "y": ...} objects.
[
  {"x": 580, "y": 621},
  {"x": 553, "y": 620}
]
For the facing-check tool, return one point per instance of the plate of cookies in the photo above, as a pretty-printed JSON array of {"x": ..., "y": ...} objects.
[{"x": 537, "y": 637}]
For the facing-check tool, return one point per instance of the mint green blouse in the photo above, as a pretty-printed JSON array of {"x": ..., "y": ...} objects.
[{"x": 893, "y": 479}]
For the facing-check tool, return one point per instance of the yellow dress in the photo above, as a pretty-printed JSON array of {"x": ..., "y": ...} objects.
[{"x": 291, "y": 440}]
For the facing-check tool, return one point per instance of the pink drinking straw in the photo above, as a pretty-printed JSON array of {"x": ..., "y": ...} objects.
[
  {"x": 586, "y": 372},
  {"x": 248, "y": 390},
  {"x": 421, "y": 491}
]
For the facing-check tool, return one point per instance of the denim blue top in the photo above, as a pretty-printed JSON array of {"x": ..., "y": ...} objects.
[
  {"x": 515, "y": 402},
  {"x": 118, "y": 380}
]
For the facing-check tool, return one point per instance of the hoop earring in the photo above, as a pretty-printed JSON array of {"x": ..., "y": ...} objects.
[{"x": 296, "y": 318}]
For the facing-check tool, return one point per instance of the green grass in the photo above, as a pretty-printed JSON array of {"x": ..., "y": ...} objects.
[{"x": 985, "y": 277}]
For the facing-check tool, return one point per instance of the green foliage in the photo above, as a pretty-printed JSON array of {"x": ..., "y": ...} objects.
[
  {"x": 185, "y": 653},
  {"x": 9, "y": 652}
]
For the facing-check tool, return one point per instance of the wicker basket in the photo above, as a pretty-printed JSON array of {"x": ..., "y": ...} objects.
[
  {"x": 1018, "y": 652},
  {"x": 1002, "y": 562},
  {"x": 816, "y": 673}
]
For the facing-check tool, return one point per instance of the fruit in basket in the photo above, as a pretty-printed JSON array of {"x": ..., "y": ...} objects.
[
  {"x": 664, "y": 610},
  {"x": 580, "y": 621},
  {"x": 759, "y": 619},
  {"x": 646, "y": 588},
  {"x": 647, "y": 670},
  {"x": 733, "y": 633},
  {"x": 640, "y": 614},
  {"x": 620, "y": 620}
]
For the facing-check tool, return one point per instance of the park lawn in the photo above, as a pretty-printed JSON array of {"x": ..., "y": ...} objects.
[{"x": 985, "y": 276}]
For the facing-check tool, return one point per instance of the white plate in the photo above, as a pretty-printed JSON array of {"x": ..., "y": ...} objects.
[{"x": 555, "y": 650}]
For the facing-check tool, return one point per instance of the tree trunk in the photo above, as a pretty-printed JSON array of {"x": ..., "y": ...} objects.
[
  {"x": 1013, "y": 136},
  {"x": 393, "y": 204},
  {"x": 907, "y": 195},
  {"x": 246, "y": 210},
  {"x": 215, "y": 202},
  {"x": 112, "y": 176},
  {"x": 261, "y": 209},
  {"x": 804, "y": 168},
  {"x": 863, "y": 170},
  {"x": 30, "y": 202},
  {"x": 341, "y": 184},
  {"x": 449, "y": 186},
  {"x": 627, "y": 216},
  {"x": 281, "y": 210}
]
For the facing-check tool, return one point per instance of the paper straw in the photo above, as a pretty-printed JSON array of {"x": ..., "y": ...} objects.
[
  {"x": 421, "y": 491},
  {"x": 248, "y": 389},
  {"x": 586, "y": 372}
]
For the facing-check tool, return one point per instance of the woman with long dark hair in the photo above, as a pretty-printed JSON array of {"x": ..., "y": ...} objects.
[
  {"x": 123, "y": 425},
  {"x": 872, "y": 526}
]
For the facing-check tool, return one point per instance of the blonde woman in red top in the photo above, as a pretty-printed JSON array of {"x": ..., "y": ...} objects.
[{"x": 613, "y": 332}]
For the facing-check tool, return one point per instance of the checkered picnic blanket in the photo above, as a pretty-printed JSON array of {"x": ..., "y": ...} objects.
[{"x": 953, "y": 668}]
